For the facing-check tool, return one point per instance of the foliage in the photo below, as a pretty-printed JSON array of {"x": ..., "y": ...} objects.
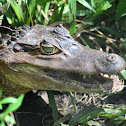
[
  {"x": 92, "y": 115},
  {"x": 103, "y": 20},
  {"x": 53, "y": 106},
  {"x": 86, "y": 114},
  {"x": 13, "y": 105},
  {"x": 121, "y": 10},
  {"x": 91, "y": 112}
]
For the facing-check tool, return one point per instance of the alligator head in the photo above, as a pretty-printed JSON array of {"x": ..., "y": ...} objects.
[{"x": 48, "y": 58}]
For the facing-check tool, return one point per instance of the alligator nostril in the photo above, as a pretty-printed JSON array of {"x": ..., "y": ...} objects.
[{"x": 111, "y": 58}]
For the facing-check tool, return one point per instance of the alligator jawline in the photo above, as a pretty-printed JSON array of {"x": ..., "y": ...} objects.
[{"x": 94, "y": 79}]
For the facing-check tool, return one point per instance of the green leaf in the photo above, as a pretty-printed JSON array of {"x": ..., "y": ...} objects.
[
  {"x": 3, "y": 1},
  {"x": 72, "y": 3},
  {"x": 1, "y": 107},
  {"x": 123, "y": 72},
  {"x": 62, "y": 120},
  {"x": 12, "y": 107},
  {"x": 83, "y": 12},
  {"x": 2, "y": 123},
  {"x": 8, "y": 118},
  {"x": 1, "y": 18},
  {"x": 121, "y": 10},
  {"x": 86, "y": 4},
  {"x": 94, "y": 123},
  {"x": 57, "y": 14},
  {"x": 93, "y": 3},
  {"x": 4, "y": 8},
  {"x": 86, "y": 114},
  {"x": 38, "y": 14},
  {"x": 109, "y": 110},
  {"x": 64, "y": 124},
  {"x": 47, "y": 5},
  {"x": 73, "y": 101},
  {"x": 8, "y": 100},
  {"x": 53, "y": 106},
  {"x": 124, "y": 46},
  {"x": 17, "y": 9},
  {"x": 104, "y": 6},
  {"x": 42, "y": 2},
  {"x": 10, "y": 17},
  {"x": 30, "y": 11}
]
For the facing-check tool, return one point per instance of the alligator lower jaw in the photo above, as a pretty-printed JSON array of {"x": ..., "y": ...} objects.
[{"x": 104, "y": 82}]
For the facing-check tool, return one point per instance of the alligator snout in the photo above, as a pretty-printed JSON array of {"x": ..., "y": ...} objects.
[{"x": 112, "y": 63}]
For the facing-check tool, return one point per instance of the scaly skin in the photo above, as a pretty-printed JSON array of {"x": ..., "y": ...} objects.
[{"x": 24, "y": 66}]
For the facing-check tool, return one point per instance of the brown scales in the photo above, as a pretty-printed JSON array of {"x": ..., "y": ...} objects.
[{"x": 48, "y": 58}]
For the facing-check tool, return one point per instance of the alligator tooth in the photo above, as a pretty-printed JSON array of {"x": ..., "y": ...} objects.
[
  {"x": 101, "y": 74},
  {"x": 106, "y": 75}
]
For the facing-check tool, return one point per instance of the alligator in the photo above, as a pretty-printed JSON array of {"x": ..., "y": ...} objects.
[{"x": 48, "y": 58}]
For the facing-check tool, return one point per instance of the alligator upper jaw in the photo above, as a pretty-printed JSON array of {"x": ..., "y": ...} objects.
[{"x": 98, "y": 83}]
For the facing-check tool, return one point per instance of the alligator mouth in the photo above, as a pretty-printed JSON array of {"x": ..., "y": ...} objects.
[{"x": 111, "y": 83}]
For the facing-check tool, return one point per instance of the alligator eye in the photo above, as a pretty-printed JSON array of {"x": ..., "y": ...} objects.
[{"x": 48, "y": 49}]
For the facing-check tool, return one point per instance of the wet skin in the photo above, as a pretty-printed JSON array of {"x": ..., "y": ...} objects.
[{"x": 48, "y": 58}]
